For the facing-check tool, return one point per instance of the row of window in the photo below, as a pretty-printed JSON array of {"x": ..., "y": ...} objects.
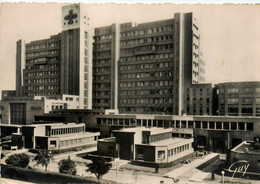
[
  {"x": 102, "y": 46},
  {"x": 40, "y": 53},
  {"x": 146, "y": 66},
  {"x": 102, "y": 54},
  {"x": 144, "y": 109},
  {"x": 147, "y": 57},
  {"x": 179, "y": 149},
  {"x": 36, "y": 74},
  {"x": 244, "y": 110},
  {"x": 45, "y": 80},
  {"x": 43, "y": 87},
  {"x": 249, "y": 126},
  {"x": 71, "y": 142},
  {"x": 200, "y": 91},
  {"x": 98, "y": 86},
  {"x": 198, "y": 111},
  {"x": 147, "y": 31},
  {"x": 244, "y": 100},
  {"x": 145, "y": 75},
  {"x": 42, "y": 46},
  {"x": 146, "y": 83},
  {"x": 61, "y": 131},
  {"x": 102, "y": 93},
  {"x": 101, "y": 61},
  {"x": 146, "y": 92},
  {"x": 150, "y": 48},
  {"x": 102, "y": 37},
  {"x": 146, "y": 101},
  {"x": 101, "y": 101},
  {"x": 146, "y": 40},
  {"x": 241, "y": 90},
  {"x": 33, "y": 61},
  {"x": 101, "y": 77},
  {"x": 42, "y": 93},
  {"x": 102, "y": 69},
  {"x": 48, "y": 66},
  {"x": 160, "y": 137}
]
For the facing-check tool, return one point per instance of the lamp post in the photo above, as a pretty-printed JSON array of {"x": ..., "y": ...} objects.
[
  {"x": 117, "y": 164},
  {"x": 222, "y": 172}
]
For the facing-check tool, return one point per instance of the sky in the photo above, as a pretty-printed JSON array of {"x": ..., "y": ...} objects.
[{"x": 230, "y": 34}]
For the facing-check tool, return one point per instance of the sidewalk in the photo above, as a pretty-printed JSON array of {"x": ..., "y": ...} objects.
[{"x": 179, "y": 171}]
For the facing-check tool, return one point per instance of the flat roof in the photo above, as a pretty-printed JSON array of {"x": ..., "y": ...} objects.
[
  {"x": 241, "y": 148},
  {"x": 172, "y": 117},
  {"x": 73, "y": 136},
  {"x": 171, "y": 141},
  {"x": 153, "y": 130},
  {"x": 7, "y": 125},
  {"x": 54, "y": 124}
]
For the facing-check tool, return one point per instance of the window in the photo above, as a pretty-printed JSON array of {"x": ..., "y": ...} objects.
[
  {"x": 53, "y": 143},
  {"x": 241, "y": 126},
  {"x": 161, "y": 154},
  {"x": 250, "y": 126},
  {"x": 233, "y": 125},
  {"x": 232, "y": 90}
]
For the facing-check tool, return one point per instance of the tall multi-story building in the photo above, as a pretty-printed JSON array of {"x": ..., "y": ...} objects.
[
  {"x": 199, "y": 99},
  {"x": 146, "y": 68},
  {"x": 105, "y": 60},
  {"x": 239, "y": 99},
  {"x": 61, "y": 64}
]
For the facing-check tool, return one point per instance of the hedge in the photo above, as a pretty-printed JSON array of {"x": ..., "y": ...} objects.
[{"x": 38, "y": 176}]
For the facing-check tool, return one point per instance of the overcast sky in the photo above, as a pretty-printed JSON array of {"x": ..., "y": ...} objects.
[{"x": 230, "y": 33}]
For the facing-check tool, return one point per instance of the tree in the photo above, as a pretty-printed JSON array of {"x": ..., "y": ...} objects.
[
  {"x": 67, "y": 166},
  {"x": 99, "y": 167},
  {"x": 18, "y": 160},
  {"x": 43, "y": 158}
]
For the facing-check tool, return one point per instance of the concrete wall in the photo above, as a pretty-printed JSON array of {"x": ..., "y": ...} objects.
[
  {"x": 252, "y": 159},
  {"x": 33, "y": 108},
  {"x": 107, "y": 149},
  {"x": 148, "y": 153}
]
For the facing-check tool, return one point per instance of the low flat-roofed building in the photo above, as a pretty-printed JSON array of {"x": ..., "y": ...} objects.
[
  {"x": 22, "y": 110},
  {"x": 212, "y": 133},
  {"x": 55, "y": 137},
  {"x": 248, "y": 154},
  {"x": 146, "y": 145}
]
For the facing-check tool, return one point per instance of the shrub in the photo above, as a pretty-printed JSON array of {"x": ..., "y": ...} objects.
[
  {"x": 18, "y": 160},
  {"x": 67, "y": 166},
  {"x": 99, "y": 167}
]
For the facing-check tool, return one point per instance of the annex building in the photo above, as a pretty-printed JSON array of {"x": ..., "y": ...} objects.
[
  {"x": 23, "y": 110},
  {"x": 146, "y": 145},
  {"x": 54, "y": 137},
  {"x": 212, "y": 133}
]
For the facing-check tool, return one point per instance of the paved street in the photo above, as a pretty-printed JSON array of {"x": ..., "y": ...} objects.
[
  {"x": 195, "y": 163},
  {"x": 11, "y": 181}
]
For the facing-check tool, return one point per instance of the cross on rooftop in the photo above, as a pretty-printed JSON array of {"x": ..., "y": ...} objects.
[{"x": 70, "y": 17}]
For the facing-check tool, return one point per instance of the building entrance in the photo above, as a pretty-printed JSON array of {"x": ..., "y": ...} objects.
[{"x": 218, "y": 145}]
